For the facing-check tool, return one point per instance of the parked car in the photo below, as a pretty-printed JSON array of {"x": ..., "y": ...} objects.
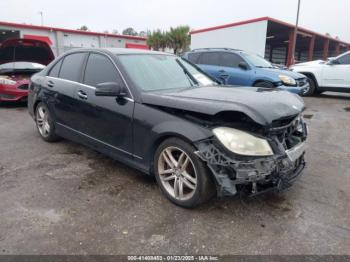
[
  {"x": 236, "y": 67},
  {"x": 19, "y": 60},
  {"x": 279, "y": 66},
  {"x": 332, "y": 75},
  {"x": 159, "y": 114}
]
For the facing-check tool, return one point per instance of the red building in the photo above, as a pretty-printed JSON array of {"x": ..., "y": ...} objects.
[{"x": 270, "y": 38}]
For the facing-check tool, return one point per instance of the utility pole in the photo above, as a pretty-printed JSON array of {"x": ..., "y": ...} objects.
[
  {"x": 42, "y": 17},
  {"x": 295, "y": 35}
]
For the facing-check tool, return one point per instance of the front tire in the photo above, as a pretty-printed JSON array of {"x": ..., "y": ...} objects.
[
  {"x": 44, "y": 123},
  {"x": 183, "y": 178},
  {"x": 312, "y": 87}
]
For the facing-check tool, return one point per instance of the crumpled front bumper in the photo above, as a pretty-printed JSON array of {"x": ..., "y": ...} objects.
[
  {"x": 299, "y": 90},
  {"x": 251, "y": 174}
]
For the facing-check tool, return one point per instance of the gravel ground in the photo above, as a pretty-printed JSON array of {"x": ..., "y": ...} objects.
[{"x": 63, "y": 198}]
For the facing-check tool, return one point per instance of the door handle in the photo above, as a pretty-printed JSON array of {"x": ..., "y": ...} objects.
[
  {"x": 222, "y": 71},
  {"x": 50, "y": 83},
  {"x": 82, "y": 95}
]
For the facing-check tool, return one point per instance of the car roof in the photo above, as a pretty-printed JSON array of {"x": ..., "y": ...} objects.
[
  {"x": 120, "y": 51},
  {"x": 215, "y": 49}
]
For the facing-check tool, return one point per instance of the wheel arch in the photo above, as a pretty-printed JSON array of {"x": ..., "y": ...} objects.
[
  {"x": 312, "y": 76},
  {"x": 36, "y": 103},
  {"x": 262, "y": 81},
  {"x": 177, "y": 128},
  {"x": 159, "y": 140}
]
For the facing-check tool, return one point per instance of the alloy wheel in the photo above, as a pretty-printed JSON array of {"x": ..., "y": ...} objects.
[
  {"x": 177, "y": 173},
  {"x": 42, "y": 121},
  {"x": 306, "y": 90}
]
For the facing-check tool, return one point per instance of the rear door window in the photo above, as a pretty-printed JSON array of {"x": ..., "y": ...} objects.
[
  {"x": 55, "y": 70},
  {"x": 72, "y": 66},
  {"x": 100, "y": 69},
  {"x": 210, "y": 58}
]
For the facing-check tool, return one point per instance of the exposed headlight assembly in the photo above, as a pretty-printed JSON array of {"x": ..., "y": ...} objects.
[
  {"x": 242, "y": 143},
  {"x": 287, "y": 80},
  {"x": 299, "y": 124},
  {"x": 5, "y": 81}
]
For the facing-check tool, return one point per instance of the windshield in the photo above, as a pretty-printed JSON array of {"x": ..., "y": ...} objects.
[
  {"x": 158, "y": 72},
  {"x": 257, "y": 61}
]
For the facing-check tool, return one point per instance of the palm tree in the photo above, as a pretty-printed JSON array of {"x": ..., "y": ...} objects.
[
  {"x": 155, "y": 40},
  {"x": 165, "y": 40},
  {"x": 179, "y": 38}
]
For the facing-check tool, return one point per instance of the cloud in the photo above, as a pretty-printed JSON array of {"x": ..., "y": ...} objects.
[{"x": 318, "y": 15}]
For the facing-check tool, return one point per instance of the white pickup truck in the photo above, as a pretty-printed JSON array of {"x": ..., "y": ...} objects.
[{"x": 332, "y": 75}]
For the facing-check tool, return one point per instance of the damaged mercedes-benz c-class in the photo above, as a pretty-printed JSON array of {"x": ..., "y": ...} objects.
[{"x": 164, "y": 116}]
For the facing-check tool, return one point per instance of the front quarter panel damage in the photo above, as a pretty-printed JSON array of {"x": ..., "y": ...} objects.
[{"x": 254, "y": 174}]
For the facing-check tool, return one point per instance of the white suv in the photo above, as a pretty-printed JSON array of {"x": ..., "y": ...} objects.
[{"x": 331, "y": 75}]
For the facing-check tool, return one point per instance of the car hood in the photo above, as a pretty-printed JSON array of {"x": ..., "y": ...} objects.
[
  {"x": 311, "y": 63},
  {"x": 261, "y": 105},
  {"x": 21, "y": 65},
  {"x": 269, "y": 71}
]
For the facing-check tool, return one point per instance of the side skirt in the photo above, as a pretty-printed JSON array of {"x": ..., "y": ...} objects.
[{"x": 123, "y": 157}]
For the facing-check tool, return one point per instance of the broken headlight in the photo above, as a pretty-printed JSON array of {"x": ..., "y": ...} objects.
[
  {"x": 242, "y": 143},
  {"x": 6, "y": 81}
]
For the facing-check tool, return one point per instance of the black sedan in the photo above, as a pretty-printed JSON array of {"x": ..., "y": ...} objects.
[{"x": 161, "y": 115}]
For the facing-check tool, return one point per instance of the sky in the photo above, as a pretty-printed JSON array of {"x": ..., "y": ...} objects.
[{"x": 322, "y": 16}]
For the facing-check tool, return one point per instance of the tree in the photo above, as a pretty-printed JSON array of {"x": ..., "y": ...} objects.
[
  {"x": 83, "y": 28},
  {"x": 115, "y": 31},
  {"x": 165, "y": 41},
  {"x": 143, "y": 34},
  {"x": 154, "y": 40},
  {"x": 130, "y": 31},
  {"x": 179, "y": 38}
]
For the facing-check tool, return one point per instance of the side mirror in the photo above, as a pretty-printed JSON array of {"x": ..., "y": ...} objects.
[
  {"x": 110, "y": 89},
  {"x": 243, "y": 65}
]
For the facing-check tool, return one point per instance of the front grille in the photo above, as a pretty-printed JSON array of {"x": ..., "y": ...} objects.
[
  {"x": 283, "y": 123},
  {"x": 23, "y": 87},
  {"x": 288, "y": 131},
  {"x": 7, "y": 96}
]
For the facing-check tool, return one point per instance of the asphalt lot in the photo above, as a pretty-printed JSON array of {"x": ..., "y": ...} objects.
[{"x": 63, "y": 198}]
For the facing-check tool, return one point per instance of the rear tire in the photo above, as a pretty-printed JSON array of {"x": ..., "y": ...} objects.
[
  {"x": 181, "y": 175},
  {"x": 44, "y": 123},
  {"x": 264, "y": 84}
]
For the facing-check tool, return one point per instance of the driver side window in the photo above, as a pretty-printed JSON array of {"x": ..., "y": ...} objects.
[
  {"x": 344, "y": 60},
  {"x": 99, "y": 69},
  {"x": 230, "y": 60}
]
